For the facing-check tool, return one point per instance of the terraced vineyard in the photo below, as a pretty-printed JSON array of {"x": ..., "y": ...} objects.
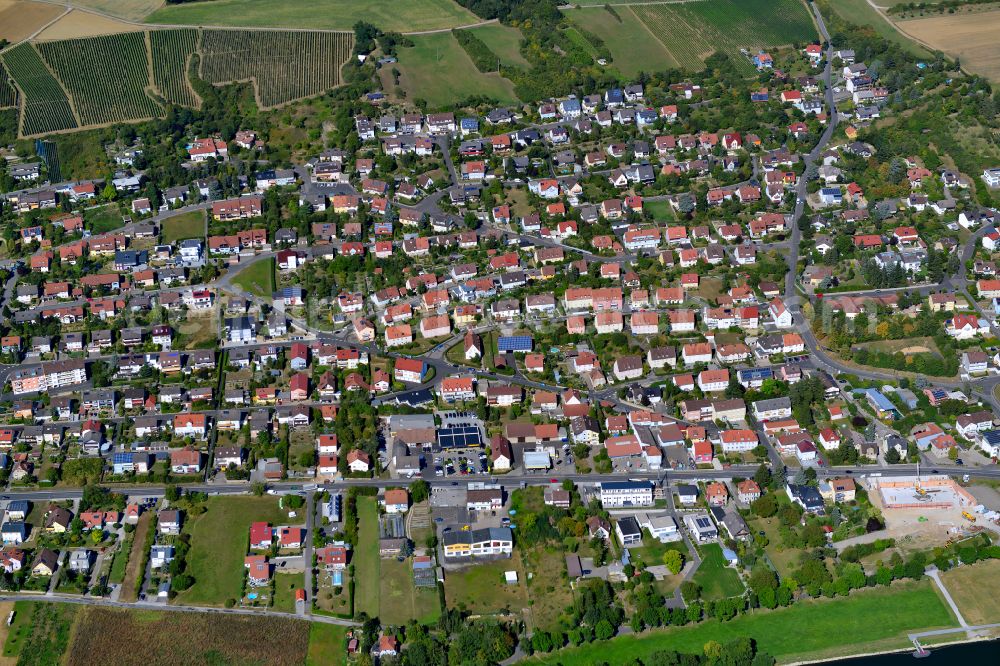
[
  {"x": 171, "y": 50},
  {"x": 45, "y": 106},
  {"x": 8, "y": 96},
  {"x": 106, "y": 76},
  {"x": 693, "y": 31},
  {"x": 284, "y": 66}
]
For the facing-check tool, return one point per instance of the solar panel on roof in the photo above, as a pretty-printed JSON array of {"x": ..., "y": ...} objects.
[
  {"x": 460, "y": 437},
  {"x": 514, "y": 342}
]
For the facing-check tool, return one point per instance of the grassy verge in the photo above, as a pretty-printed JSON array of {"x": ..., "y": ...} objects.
[{"x": 808, "y": 629}]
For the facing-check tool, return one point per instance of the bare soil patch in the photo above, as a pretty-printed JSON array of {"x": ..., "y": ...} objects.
[
  {"x": 19, "y": 19},
  {"x": 84, "y": 24}
]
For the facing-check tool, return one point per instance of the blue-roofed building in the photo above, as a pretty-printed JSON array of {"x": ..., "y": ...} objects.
[
  {"x": 570, "y": 108},
  {"x": 514, "y": 343},
  {"x": 18, "y": 509},
  {"x": 831, "y": 196},
  {"x": 760, "y": 96},
  {"x": 614, "y": 97},
  {"x": 122, "y": 463},
  {"x": 754, "y": 377},
  {"x": 469, "y": 125},
  {"x": 989, "y": 440},
  {"x": 882, "y": 405}
]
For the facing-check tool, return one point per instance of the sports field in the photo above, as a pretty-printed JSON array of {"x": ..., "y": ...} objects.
[
  {"x": 406, "y": 16},
  {"x": 970, "y": 37},
  {"x": 807, "y": 630},
  {"x": 438, "y": 70}
]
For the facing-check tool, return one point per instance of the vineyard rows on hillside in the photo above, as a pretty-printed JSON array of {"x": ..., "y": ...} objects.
[
  {"x": 45, "y": 105},
  {"x": 107, "y": 76},
  {"x": 8, "y": 95},
  {"x": 171, "y": 51},
  {"x": 284, "y": 65}
]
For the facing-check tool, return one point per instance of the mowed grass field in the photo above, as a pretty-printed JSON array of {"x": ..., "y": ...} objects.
[
  {"x": 185, "y": 225},
  {"x": 438, "y": 70},
  {"x": 503, "y": 40},
  {"x": 326, "y": 645},
  {"x": 633, "y": 47},
  {"x": 318, "y": 14},
  {"x": 399, "y": 600},
  {"x": 366, "y": 560},
  {"x": 976, "y": 591},
  {"x": 970, "y": 37},
  {"x": 166, "y": 638},
  {"x": 219, "y": 543},
  {"x": 481, "y": 588},
  {"x": 717, "y": 580},
  {"x": 256, "y": 278},
  {"x": 813, "y": 629}
]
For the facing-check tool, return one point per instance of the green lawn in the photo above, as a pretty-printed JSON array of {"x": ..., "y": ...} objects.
[
  {"x": 785, "y": 560},
  {"x": 716, "y": 579},
  {"x": 326, "y": 645},
  {"x": 117, "y": 573},
  {"x": 503, "y": 40},
  {"x": 366, "y": 559},
  {"x": 285, "y": 585},
  {"x": 866, "y": 621},
  {"x": 318, "y": 14},
  {"x": 185, "y": 225},
  {"x": 660, "y": 210},
  {"x": 480, "y": 588},
  {"x": 102, "y": 220},
  {"x": 438, "y": 70},
  {"x": 400, "y": 601},
  {"x": 651, "y": 554},
  {"x": 257, "y": 278},
  {"x": 219, "y": 543}
]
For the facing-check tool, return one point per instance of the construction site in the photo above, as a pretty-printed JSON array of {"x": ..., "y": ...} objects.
[
  {"x": 924, "y": 510},
  {"x": 922, "y": 492}
]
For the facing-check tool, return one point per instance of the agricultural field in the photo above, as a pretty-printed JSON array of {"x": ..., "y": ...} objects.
[
  {"x": 812, "y": 629},
  {"x": 45, "y": 107},
  {"x": 40, "y": 632},
  {"x": 20, "y": 19},
  {"x": 284, "y": 66},
  {"x": 317, "y": 14},
  {"x": 112, "y": 92},
  {"x": 77, "y": 24},
  {"x": 634, "y": 45},
  {"x": 693, "y": 31},
  {"x": 503, "y": 40},
  {"x": 859, "y": 12},
  {"x": 218, "y": 544},
  {"x": 132, "y": 10},
  {"x": 171, "y": 52},
  {"x": 970, "y": 37},
  {"x": 438, "y": 70},
  {"x": 219, "y": 639},
  {"x": 8, "y": 95}
]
